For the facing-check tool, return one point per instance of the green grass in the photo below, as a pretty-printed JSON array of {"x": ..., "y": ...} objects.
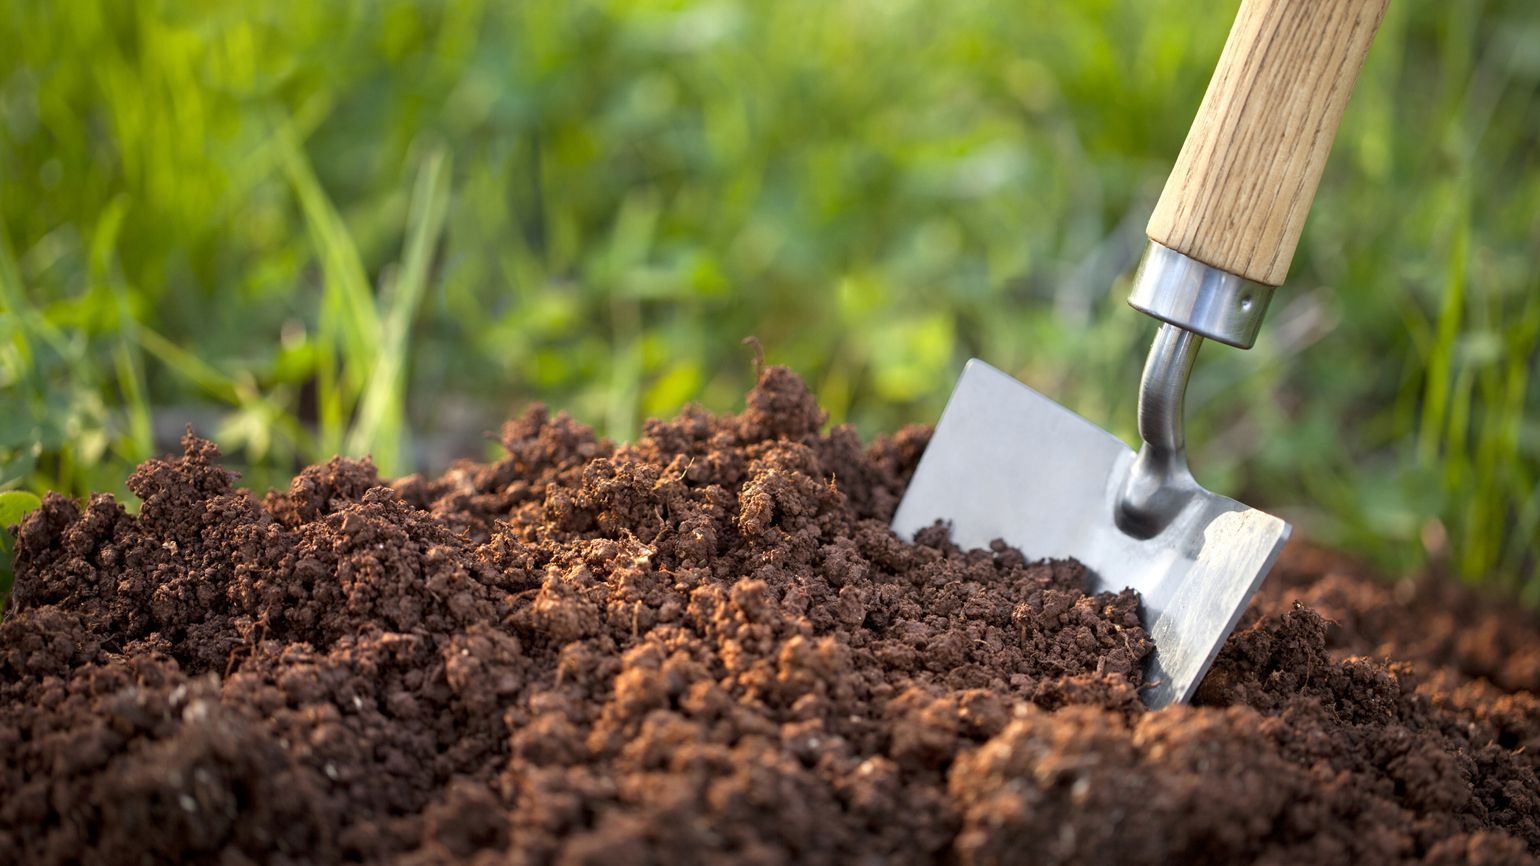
[{"x": 313, "y": 228}]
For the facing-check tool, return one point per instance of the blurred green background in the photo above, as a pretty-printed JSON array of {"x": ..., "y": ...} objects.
[{"x": 319, "y": 227}]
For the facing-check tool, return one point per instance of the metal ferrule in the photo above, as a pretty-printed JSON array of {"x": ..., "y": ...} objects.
[{"x": 1200, "y": 298}]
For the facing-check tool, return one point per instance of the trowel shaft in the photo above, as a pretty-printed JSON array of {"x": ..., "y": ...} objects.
[{"x": 1225, "y": 229}]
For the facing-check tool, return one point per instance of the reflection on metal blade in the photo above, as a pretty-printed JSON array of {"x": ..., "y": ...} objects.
[{"x": 1006, "y": 462}]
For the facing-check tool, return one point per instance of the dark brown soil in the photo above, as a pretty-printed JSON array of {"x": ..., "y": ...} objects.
[{"x": 707, "y": 647}]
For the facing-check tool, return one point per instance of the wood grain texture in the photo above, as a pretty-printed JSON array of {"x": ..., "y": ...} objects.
[{"x": 1241, "y": 189}]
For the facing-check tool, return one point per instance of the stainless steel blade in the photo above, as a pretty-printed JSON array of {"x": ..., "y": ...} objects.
[{"x": 1007, "y": 462}]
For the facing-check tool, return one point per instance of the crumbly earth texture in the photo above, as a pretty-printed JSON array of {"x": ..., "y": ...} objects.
[{"x": 706, "y": 647}]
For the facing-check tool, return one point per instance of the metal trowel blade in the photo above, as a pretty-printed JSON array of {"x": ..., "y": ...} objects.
[{"x": 1007, "y": 463}]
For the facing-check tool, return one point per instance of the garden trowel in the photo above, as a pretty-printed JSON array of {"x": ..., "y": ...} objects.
[{"x": 1008, "y": 463}]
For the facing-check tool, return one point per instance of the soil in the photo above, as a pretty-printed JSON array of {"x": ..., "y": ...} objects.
[{"x": 707, "y": 647}]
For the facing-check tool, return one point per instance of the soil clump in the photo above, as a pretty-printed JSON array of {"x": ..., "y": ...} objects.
[{"x": 704, "y": 647}]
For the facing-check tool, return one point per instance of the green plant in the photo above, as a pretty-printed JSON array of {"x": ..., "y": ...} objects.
[
  {"x": 249, "y": 219},
  {"x": 15, "y": 505}
]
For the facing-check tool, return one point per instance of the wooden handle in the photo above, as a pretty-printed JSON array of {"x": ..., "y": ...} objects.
[{"x": 1240, "y": 190}]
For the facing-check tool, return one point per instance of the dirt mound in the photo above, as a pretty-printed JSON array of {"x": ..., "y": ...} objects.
[{"x": 704, "y": 647}]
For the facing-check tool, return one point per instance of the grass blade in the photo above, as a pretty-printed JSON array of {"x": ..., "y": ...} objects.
[
  {"x": 350, "y": 323},
  {"x": 380, "y": 427}
]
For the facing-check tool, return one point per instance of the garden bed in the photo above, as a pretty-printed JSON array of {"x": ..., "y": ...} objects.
[{"x": 707, "y": 647}]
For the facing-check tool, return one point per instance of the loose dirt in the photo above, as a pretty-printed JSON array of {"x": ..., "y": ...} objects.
[{"x": 707, "y": 647}]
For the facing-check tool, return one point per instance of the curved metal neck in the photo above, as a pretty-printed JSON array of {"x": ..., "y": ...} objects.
[
  {"x": 1163, "y": 389},
  {"x": 1159, "y": 483}
]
